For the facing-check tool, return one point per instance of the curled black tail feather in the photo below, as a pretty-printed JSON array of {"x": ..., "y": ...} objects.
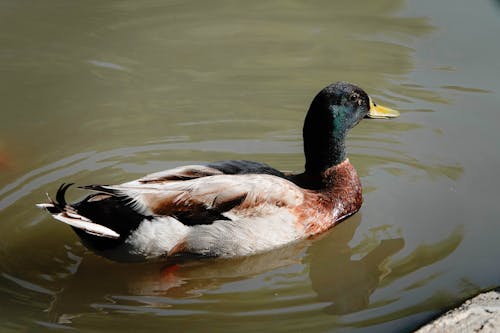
[
  {"x": 60, "y": 202},
  {"x": 61, "y": 192}
]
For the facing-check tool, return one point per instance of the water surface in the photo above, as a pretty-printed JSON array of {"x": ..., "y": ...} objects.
[{"x": 96, "y": 92}]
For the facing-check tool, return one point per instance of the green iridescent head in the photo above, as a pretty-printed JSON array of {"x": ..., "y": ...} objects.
[{"x": 333, "y": 112}]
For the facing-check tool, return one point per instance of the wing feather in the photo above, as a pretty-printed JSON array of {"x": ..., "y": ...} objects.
[
  {"x": 180, "y": 173},
  {"x": 219, "y": 193}
]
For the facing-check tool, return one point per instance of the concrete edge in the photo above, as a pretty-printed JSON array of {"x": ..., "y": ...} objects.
[{"x": 478, "y": 314}]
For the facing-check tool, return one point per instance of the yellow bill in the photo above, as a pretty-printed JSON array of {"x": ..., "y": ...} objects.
[{"x": 381, "y": 112}]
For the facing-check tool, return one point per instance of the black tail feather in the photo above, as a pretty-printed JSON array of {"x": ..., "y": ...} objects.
[
  {"x": 60, "y": 195},
  {"x": 60, "y": 203}
]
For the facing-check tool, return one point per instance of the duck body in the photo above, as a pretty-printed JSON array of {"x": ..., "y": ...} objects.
[{"x": 228, "y": 208}]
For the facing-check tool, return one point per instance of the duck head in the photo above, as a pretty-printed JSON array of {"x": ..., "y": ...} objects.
[{"x": 333, "y": 112}]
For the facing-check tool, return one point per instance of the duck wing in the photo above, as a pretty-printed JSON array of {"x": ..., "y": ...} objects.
[{"x": 201, "y": 194}]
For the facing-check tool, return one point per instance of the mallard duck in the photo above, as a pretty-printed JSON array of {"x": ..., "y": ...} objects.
[{"x": 229, "y": 208}]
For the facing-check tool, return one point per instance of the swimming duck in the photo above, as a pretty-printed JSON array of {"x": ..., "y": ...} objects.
[{"x": 229, "y": 208}]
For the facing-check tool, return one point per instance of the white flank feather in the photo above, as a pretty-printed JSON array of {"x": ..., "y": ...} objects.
[{"x": 157, "y": 237}]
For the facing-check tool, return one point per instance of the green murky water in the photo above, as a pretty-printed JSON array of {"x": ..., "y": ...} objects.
[{"x": 103, "y": 92}]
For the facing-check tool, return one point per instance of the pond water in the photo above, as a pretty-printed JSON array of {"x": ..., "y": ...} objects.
[{"x": 104, "y": 92}]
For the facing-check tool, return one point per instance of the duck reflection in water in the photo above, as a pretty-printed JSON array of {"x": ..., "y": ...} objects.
[{"x": 339, "y": 277}]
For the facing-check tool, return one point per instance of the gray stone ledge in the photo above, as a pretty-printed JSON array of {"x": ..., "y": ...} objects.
[{"x": 478, "y": 314}]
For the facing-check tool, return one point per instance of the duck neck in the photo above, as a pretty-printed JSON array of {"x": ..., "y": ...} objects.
[{"x": 324, "y": 142}]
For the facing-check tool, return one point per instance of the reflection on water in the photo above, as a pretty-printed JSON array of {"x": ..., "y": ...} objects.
[
  {"x": 144, "y": 287},
  {"x": 425, "y": 255},
  {"x": 128, "y": 88},
  {"x": 339, "y": 270}
]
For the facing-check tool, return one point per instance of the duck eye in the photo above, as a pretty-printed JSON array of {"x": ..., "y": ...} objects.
[{"x": 353, "y": 97}]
